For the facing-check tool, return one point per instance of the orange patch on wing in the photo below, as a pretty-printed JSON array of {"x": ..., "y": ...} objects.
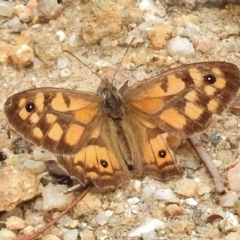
[
  {"x": 173, "y": 118},
  {"x": 86, "y": 115},
  {"x": 196, "y": 76},
  {"x": 174, "y": 85},
  {"x": 217, "y": 71},
  {"x": 22, "y": 102},
  {"x": 37, "y": 133},
  {"x": 34, "y": 118},
  {"x": 80, "y": 157},
  {"x": 220, "y": 83},
  {"x": 212, "y": 105},
  {"x": 209, "y": 90},
  {"x": 23, "y": 114},
  {"x": 92, "y": 162},
  {"x": 191, "y": 96},
  {"x": 39, "y": 102},
  {"x": 73, "y": 134},
  {"x": 56, "y": 132},
  {"x": 149, "y": 105},
  {"x": 51, "y": 118},
  {"x": 58, "y": 103},
  {"x": 192, "y": 111}
]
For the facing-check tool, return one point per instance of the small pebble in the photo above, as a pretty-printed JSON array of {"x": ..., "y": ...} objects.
[
  {"x": 166, "y": 195},
  {"x": 73, "y": 40},
  {"x": 158, "y": 36},
  {"x": 15, "y": 223},
  {"x": 186, "y": 187},
  {"x": 6, "y": 234},
  {"x": 136, "y": 185},
  {"x": 179, "y": 46},
  {"x": 232, "y": 29},
  {"x": 148, "y": 191},
  {"x": 236, "y": 207},
  {"x": 28, "y": 230},
  {"x": 62, "y": 62},
  {"x": 103, "y": 217},
  {"x": 201, "y": 190},
  {"x": 22, "y": 56},
  {"x": 61, "y": 35},
  {"x": 6, "y": 8},
  {"x": 229, "y": 199},
  {"x": 55, "y": 198},
  {"x": 133, "y": 200},
  {"x": 66, "y": 72},
  {"x": 89, "y": 203},
  {"x": 33, "y": 218},
  {"x": 191, "y": 202},
  {"x": 47, "y": 48},
  {"x": 87, "y": 234},
  {"x": 49, "y": 9},
  {"x": 37, "y": 167},
  {"x": 50, "y": 237},
  {"x": 234, "y": 178},
  {"x": 233, "y": 236},
  {"x": 68, "y": 222},
  {"x": 229, "y": 223},
  {"x": 70, "y": 234},
  {"x": 14, "y": 25},
  {"x": 148, "y": 226},
  {"x": 230, "y": 124},
  {"x": 216, "y": 137},
  {"x": 149, "y": 5},
  {"x": 12, "y": 189},
  {"x": 24, "y": 13},
  {"x": 173, "y": 210},
  {"x": 37, "y": 63}
]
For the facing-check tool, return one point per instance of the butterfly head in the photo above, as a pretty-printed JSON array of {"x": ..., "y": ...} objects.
[{"x": 112, "y": 102}]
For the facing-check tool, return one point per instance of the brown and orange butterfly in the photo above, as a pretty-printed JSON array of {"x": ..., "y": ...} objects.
[{"x": 104, "y": 137}]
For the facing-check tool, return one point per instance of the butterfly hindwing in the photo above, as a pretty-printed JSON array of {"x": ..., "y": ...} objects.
[{"x": 99, "y": 160}]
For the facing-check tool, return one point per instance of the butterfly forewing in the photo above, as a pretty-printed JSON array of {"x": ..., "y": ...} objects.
[
  {"x": 58, "y": 120},
  {"x": 183, "y": 100}
]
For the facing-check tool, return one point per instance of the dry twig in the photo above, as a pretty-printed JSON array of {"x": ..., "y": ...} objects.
[
  {"x": 209, "y": 164},
  {"x": 41, "y": 230}
]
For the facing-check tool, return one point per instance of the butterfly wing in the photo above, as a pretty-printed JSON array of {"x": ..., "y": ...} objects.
[
  {"x": 100, "y": 160},
  {"x": 51, "y": 117},
  {"x": 183, "y": 100},
  {"x": 149, "y": 150},
  {"x": 72, "y": 125}
]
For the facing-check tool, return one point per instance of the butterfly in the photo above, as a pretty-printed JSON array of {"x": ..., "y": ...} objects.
[{"x": 107, "y": 137}]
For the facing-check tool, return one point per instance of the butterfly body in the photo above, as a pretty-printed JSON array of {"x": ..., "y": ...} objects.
[{"x": 107, "y": 137}]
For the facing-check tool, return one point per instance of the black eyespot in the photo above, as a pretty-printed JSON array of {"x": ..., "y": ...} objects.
[
  {"x": 209, "y": 79},
  {"x": 104, "y": 163},
  {"x": 30, "y": 107},
  {"x": 162, "y": 153}
]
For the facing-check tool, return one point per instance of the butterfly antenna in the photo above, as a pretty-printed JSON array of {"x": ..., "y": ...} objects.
[
  {"x": 85, "y": 65},
  {"x": 122, "y": 59}
]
